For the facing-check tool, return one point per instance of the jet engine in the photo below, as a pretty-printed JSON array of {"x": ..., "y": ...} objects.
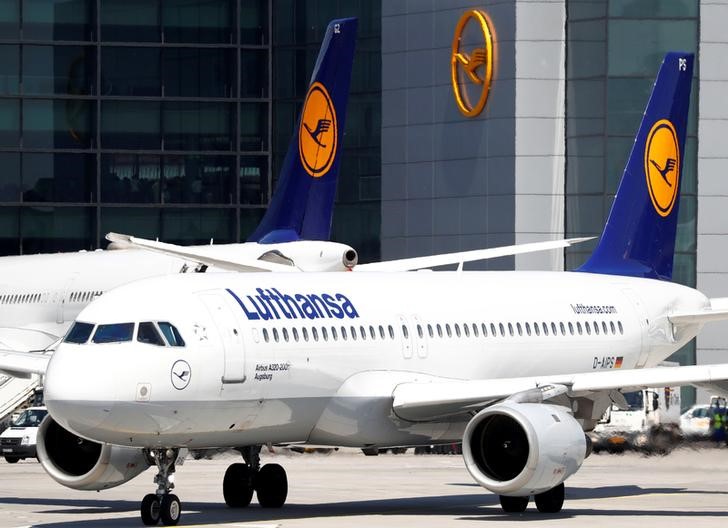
[
  {"x": 83, "y": 465},
  {"x": 521, "y": 449}
]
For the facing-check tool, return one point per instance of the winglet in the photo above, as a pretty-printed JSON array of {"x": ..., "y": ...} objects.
[
  {"x": 639, "y": 237},
  {"x": 302, "y": 205}
]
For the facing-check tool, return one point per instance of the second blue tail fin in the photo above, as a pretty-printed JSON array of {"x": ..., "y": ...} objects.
[
  {"x": 302, "y": 205},
  {"x": 639, "y": 237}
]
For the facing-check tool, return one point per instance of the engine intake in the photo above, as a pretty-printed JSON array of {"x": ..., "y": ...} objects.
[
  {"x": 520, "y": 449},
  {"x": 84, "y": 465}
]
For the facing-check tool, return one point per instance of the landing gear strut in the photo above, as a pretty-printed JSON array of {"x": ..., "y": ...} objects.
[
  {"x": 269, "y": 482},
  {"x": 162, "y": 505}
]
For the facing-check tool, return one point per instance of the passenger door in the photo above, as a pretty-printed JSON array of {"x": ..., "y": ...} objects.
[{"x": 230, "y": 336}]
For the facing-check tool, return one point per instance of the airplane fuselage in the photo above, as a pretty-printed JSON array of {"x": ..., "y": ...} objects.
[
  {"x": 41, "y": 295},
  {"x": 273, "y": 357}
]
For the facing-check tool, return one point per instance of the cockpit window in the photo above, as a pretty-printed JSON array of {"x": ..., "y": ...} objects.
[
  {"x": 79, "y": 333},
  {"x": 114, "y": 333},
  {"x": 171, "y": 334},
  {"x": 148, "y": 334}
]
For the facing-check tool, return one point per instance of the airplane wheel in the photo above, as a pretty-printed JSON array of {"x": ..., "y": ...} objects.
[
  {"x": 150, "y": 510},
  {"x": 513, "y": 504},
  {"x": 271, "y": 485},
  {"x": 551, "y": 501},
  {"x": 11, "y": 460},
  {"x": 237, "y": 485},
  {"x": 171, "y": 510}
]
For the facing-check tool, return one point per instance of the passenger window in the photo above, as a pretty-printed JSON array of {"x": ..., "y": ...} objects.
[
  {"x": 266, "y": 336},
  {"x": 587, "y": 326},
  {"x": 578, "y": 327},
  {"x": 466, "y": 329},
  {"x": 353, "y": 333},
  {"x": 510, "y": 329},
  {"x": 571, "y": 329},
  {"x": 285, "y": 335},
  {"x": 381, "y": 331},
  {"x": 611, "y": 326},
  {"x": 604, "y": 328},
  {"x": 419, "y": 331},
  {"x": 457, "y": 329},
  {"x": 448, "y": 330},
  {"x": 148, "y": 334},
  {"x": 596, "y": 328},
  {"x": 324, "y": 334},
  {"x": 295, "y": 335},
  {"x": 314, "y": 333},
  {"x": 391, "y": 331},
  {"x": 502, "y": 329},
  {"x": 405, "y": 333},
  {"x": 545, "y": 329},
  {"x": 171, "y": 334},
  {"x": 475, "y": 330},
  {"x": 430, "y": 331},
  {"x": 343, "y": 333},
  {"x": 334, "y": 335},
  {"x": 528, "y": 329},
  {"x": 520, "y": 330},
  {"x": 492, "y": 330},
  {"x": 439, "y": 330},
  {"x": 304, "y": 332},
  {"x": 363, "y": 333},
  {"x": 621, "y": 328},
  {"x": 79, "y": 333},
  {"x": 113, "y": 333},
  {"x": 563, "y": 329},
  {"x": 276, "y": 337},
  {"x": 535, "y": 329},
  {"x": 373, "y": 333}
]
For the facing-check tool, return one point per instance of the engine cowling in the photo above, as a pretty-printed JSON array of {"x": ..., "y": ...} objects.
[
  {"x": 521, "y": 449},
  {"x": 83, "y": 465}
]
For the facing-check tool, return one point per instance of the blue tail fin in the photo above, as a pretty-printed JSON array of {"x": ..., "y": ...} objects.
[
  {"x": 303, "y": 202},
  {"x": 639, "y": 238}
]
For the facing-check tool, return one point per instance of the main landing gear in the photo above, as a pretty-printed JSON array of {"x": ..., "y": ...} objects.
[
  {"x": 241, "y": 480},
  {"x": 550, "y": 501},
  {"x": 162, "y": 505}
]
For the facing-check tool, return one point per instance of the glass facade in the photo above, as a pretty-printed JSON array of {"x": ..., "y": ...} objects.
[
  {"x": 614, "y": 49},
  {"x": 155, "y": 118}
]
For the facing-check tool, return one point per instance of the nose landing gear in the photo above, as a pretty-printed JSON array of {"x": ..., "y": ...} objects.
[
  {"x": 269, "y": 482},
  {"x": 162, "y": 505}
]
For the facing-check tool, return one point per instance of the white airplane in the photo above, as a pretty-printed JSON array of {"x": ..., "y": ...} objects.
[
  {"x": 40, "y": 295},
  {"x": 516, "y": 365}
]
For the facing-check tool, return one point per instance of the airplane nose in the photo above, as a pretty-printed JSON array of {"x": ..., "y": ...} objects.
[{"x": 79, "y": 390}]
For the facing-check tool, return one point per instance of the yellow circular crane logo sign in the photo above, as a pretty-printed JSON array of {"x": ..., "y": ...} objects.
[
  {"x": 318, "y": 132},
  {"x": 471, "y": 62},
  {"x": 662, "y": 166}
]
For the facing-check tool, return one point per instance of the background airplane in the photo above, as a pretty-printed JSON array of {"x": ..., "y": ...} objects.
[{"x": 516, "y": 365}]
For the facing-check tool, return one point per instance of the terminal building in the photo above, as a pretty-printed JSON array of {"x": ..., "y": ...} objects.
[{"x": 170, "y": 119}]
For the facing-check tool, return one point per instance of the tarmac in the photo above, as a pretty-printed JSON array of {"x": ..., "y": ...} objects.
[{"x": 347, "y": 489}]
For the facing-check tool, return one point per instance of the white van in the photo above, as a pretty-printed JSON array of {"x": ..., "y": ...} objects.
[{"x": 18, "y": 441}]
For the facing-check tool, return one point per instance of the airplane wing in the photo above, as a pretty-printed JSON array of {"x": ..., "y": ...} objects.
[
  {"x": 410, "y": 264},
  {"x": 23, "y": 364},
  {"x": 197, "y": 254},
  {"x": 424, "y": 401},
  {"x": 717, "y": 311}
]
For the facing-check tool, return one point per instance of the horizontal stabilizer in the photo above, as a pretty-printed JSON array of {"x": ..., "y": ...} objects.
[
  {"x": 415, "y": 263},
  {"x": 197, "y": 254},
  {"x": 718, "y": 311},
  {"x": 417, "y": 401}
]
